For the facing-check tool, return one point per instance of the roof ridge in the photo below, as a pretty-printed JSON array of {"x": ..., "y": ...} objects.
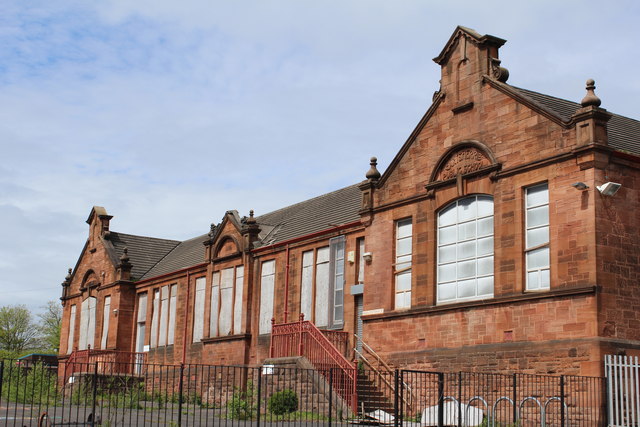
[
  {"x": 144, "y": 237},
  {"x": 305, "y": 201}
]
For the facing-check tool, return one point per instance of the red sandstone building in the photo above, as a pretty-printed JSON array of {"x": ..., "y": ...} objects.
[{"x": 495, "y": 240}]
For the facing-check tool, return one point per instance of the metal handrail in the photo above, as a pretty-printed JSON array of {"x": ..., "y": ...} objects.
[{"x": 387, "y": 368}]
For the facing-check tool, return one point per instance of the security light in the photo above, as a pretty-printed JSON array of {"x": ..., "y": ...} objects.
[
  {"x": 367, "y": 256},
  {"x": 609, "y": 188},
  {"x": 580, "y": 186}
]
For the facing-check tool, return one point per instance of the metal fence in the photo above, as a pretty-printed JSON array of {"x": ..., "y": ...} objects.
[
  {"x": 623, "y": 385},
  {"x": 108, "y": 394}
]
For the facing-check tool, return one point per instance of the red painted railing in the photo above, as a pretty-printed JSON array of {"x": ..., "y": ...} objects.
[
  {"x": 109, "y": 362},
  {"x": 303, "y": 338}
]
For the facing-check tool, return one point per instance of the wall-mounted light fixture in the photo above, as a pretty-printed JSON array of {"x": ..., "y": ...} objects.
[
  {"x": 580, "y": 186},
  {"x": 367, "y": 257},
  {"x": 609, "y": 188}
]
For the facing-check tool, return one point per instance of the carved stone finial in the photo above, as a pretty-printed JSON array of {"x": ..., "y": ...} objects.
[
  {"x": 499, "y": 73},
  {"x": 212, "y": 230},
  {"x": 590, "y": 98},
  {"x": 373, "y": 174},
  {"x": 124, "y": 259},
  {"x": 67, "y": 279}
]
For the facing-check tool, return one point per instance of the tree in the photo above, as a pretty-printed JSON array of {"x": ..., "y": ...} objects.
[
  {"x": 17, "y": 329},
  {"x": 50, "y": 322}
]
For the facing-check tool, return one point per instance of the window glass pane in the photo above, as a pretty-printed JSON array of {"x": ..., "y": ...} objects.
[
  {"x": 404, "y": 229},
  {"x": 485, "y": 266},
  {"x": 447, "y": 254},
  {"x": 538, "y": 216},
  {"x": 485, "y": 226},
  {"x": 485, "y": 246},
  {"x": 447, "y": 235},
  {"x": 545, "y": 280},
  {"x": 403, "y": 300},
  {"x": 467, "y": 209},
  {"x": 466, "y": 269},
  {"x": 485, "y": 206},
  {"x": 446, "y": 291},
  {"x": 446, "y": 273},
  {"x": 466, "y": 230},
  {"x": 467, "y": 249},
  {"x": 537, "y": 236},
  {"x": 322, "y": 255},
  {"x": 538, "y": 258},
  {"x": 485, "y": 286},
  {"x": 466, "y": 288},
  {"x": 403, "y": 281},
  {"x": 447, "y": 216},
  {"x": 404, "y": 247},
  {"x": 533, "y": 281},
  {"x": 538, "y": 195}
]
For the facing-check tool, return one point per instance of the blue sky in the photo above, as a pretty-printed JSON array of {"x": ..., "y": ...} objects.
[{"x": 170, "y": 113}]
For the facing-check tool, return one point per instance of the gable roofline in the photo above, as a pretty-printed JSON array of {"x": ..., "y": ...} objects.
[
  {"x": 471, "y": 34},
  {"x": 437, "y": 99},
  {"x": 229, "y": 216}
]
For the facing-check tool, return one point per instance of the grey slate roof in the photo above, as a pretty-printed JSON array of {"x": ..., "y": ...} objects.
[
  {"x": 186, "y": 254},
  {"x": 317, "y": 214},
  {"x": 624, "y": 133},
  {"x": 144, "y": 252}
]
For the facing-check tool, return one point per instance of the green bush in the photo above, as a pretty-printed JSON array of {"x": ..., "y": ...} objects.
[
  {"x": 241, "y": 406},
  {"x": 283, "y": 402}
]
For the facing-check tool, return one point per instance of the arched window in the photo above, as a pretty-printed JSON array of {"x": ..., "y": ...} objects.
[{"x": 465, "y": 250}]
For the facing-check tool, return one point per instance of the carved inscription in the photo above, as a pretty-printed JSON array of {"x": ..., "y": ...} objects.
[{"x": 463, "y": 162}]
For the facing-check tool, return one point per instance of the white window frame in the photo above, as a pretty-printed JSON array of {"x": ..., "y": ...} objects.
[
  {"x": 72, "y": 328},
  {"x": 87, "y": 323},
  {"x": 537, "y": 250},
  {"x": 403, "y": 263},
  {"x": 464, "y": 244},
  {"x": 198, "y": 308}
]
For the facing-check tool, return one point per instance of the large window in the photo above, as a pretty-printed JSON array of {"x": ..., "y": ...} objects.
[
  {"x": 106, "y": 314},
  {"x": 72, "y": 328},
  {"x": 465, "y": 250},
  {"x": 87, "y": 323},
  {"x": 163, "y": 317},
  {"x": 328, "y": 296},
  {"x": 198, "y": 309},
  {"x": 226, "y": 301},
  {"x": 267, "y": 285},
  {"x": 537, "y": 237},
  {"x": 402, "y": 266}
]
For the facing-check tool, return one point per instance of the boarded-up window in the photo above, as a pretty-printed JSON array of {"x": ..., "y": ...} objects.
[
  {"x": 267, "y": 282},
  {"x": 360, "y": 265},
  {"x": 198, "y": 309},
  {"x": 72, "y": 328},
  {"x": 322, "y": 287},
  {"x": 142, "y": 321},
  {"x": 172, "y": 314},
  {"x": 306, "y": 292},
  {"x": 237, "y": 304},
  {"x": 87, "y": 323},
  {"x": 164, "y": 315},
  {"x": 226, "y": 301},
  {"x": 155, "y": 318},
  {"x": 215, "y": 304},
  {"x": 106, "y": 314}
]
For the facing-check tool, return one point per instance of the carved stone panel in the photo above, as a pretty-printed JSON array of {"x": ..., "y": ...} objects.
[{"x": 462, "y": 162}]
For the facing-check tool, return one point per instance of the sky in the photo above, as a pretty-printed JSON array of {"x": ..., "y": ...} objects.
[{"x": 170, "y": 113}]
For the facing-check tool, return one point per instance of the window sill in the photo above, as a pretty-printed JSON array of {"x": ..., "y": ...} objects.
[
  {"x": 225, "y": 338},
  {"x": 528, "y": 296}
]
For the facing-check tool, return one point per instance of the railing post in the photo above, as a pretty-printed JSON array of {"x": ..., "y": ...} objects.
[
  {"x": 562, "y": 415},
  {"x": 95, "y": 392},
  {"x": 515, "y": 397},
  {"x": 273, "y": 324},
  {"x": 1, "y": 375},
  {"x": 330, "y": 395},
  {"x": 300, "y": 349},
  {"x": 354, "y": 396},
  {"x": 459, "y": 398},
  {"x": 440, "y": 399},
  {"x": 258, "y": 397},
  {"x": 180, "y": 388},
  {"x": 396, "y": 388}
]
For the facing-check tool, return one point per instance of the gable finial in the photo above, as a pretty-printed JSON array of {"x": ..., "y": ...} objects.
[
  {"x": 590, "y": 98},
  {"x": 373, "y": 174},
  {"x": 124, "y": 259}
]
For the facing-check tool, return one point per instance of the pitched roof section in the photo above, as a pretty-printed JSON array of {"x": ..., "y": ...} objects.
[
  {"x": 186, "y": 254},
  {"x": 623, "y": 132},
  {"x": 144, "y": 252},
  {"x": 313, "y": 215}
]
